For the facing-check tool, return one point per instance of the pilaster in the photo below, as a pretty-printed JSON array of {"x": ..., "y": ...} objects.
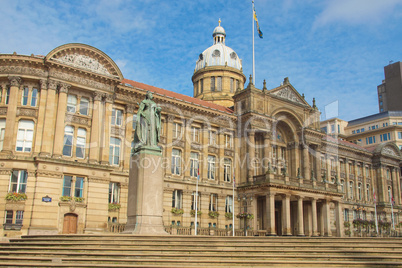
[
  {"x": 60, "y": 118},
  {"x": 50, "y": 118},
  {"x": 94, "y": 151},
  {"x": 9, "y": 133},
  {"x": 107, "y": 129}
]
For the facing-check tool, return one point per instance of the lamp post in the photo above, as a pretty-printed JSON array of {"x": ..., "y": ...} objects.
[{"x": 243, "y": 202}]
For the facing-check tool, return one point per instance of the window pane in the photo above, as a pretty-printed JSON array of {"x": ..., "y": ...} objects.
[
  {"x": 84, "y": 104},
  {"x": 67, "y": 186},
  {"x": 79, "y": 185},
  {"x": 34, "y": 97}
]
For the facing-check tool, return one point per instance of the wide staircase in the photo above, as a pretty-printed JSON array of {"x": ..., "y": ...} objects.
[{"x": 200, "y": 251}]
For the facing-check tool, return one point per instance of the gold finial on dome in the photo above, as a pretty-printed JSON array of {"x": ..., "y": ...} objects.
[{"x": 219, "y": 21}]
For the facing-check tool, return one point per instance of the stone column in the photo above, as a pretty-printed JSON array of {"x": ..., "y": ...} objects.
[
  {"x": 107, "y": 129},
  {"x": 339, "y": 219},
  {"x": 318, "y": 175},
  {"x": 254, "y": 211},
  {"x": 314, "y": 214},
  {"x": 395, "y": 189},
  {"x": 41, "y": 104},
  {"x": 327, "y": 218},
  {"x": 267, "y": 149},
  {"x": 60, "y": 118},
  {"x": 128, "y": 136},
  {"x": 286, "y": 215},
  {"x": 95, "y": 129},
  {"x": 251, "y": 155},
  {"x": 270, "y": 213},
  {"x": 300, "y": 218},
  {"x": 50, "y": 117},
  {"x": 169, "y": 141},
  {"x": 11, "y": 117},
  {"x": 306, "y": 162}
]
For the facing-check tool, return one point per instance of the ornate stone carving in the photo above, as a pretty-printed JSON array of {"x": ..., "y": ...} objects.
[
  {"x": 77, "y": 119},
  {"x": 117, "y": 131},
  {"x": 3, "y": 111},
  {"x": 288, "y": 94},
  {"x": 196, "y": 146},
  {"x": 23, "y": 70},
  {"x": 64, "y": 87},
  {"x": 27, "y": 112},
  {"x": 81, "y": 80},
  {"x": 212, "y": 150},
  {"x": 84, "y": 62},
  {"x": 170, "y": 118},
  {"x": 52, "y": 84},
  {"x": 130, "y": 108},
  {"x": 229, "y": 153},
  {"x": 15, "y": 81},
  {"x": 389, "y": 151},
  {"x": 109, "y": 98},
  {"x": 43, "y": 84},
  {"x": 98, "y": 95}
]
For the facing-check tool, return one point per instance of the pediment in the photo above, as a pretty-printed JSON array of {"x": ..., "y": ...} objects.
[
  {"x": 287, "y": 92},
  {"x": 86, "y": 58}
]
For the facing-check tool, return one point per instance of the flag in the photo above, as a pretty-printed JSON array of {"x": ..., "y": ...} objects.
[
  {"x": 234, "y": 181},
  {"x": 198, "y": 174},
  {"x": 256, "y": 21},
  {"x": 375, "y": 199},
  {"x": 392, "y": 200}
]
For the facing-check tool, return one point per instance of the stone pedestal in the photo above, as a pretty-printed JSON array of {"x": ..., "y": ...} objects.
[{"x": 145, "y": 193}]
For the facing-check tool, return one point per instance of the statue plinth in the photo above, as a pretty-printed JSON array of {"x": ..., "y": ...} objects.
[{"x": 145, "y": 192}]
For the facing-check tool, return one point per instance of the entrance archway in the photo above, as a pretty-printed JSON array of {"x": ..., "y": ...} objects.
[{"x": 70, "y": 223}]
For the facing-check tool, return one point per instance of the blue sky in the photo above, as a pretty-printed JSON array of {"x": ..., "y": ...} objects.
[{"x": 333, "y": 50}]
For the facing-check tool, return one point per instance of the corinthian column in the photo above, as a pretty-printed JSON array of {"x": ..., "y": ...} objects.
[
  {"x": 60, "y": 118},
  {"x": 9, "y": 133},
  {"x": 95, "y": 129}
]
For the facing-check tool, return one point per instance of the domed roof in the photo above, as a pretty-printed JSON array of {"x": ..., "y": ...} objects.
[{"x": 218, "y": 54}]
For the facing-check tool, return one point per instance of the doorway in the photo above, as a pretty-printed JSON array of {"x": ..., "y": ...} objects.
[{"x": 70, "y": 223}]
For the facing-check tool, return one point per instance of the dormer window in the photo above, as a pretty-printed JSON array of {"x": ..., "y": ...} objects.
[
  {"x": 216, "y": 53},
  {"x": 233, "y": 55}
]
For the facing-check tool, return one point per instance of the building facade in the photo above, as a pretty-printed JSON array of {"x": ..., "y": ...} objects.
[
  {"x": 67, "y": 123},
  {"x": 390, "y": 90}
]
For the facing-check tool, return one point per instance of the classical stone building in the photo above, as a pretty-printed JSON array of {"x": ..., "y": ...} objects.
[{"x": 67, "y": 121}]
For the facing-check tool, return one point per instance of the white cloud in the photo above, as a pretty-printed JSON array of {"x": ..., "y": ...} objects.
[{"x": 356, "y": 11}]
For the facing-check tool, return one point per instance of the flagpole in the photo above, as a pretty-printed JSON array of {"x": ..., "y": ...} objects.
[
  {"x": 196, "y": 202},
  {"x": 252, "y": 26},
  {"x": 392, "y": 210},
  {"x": 375, "y": 209},
  {"x": 233, "y": 216}
]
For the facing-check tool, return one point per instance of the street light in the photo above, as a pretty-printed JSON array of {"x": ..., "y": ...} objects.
[{"x": 244, "y": 198}]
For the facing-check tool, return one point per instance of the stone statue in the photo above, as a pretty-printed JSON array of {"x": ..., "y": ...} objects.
[
  {"x": 298, "y": 173},
  {"x": 312, "y": 175},
  {"x": 148, "y": 128}
]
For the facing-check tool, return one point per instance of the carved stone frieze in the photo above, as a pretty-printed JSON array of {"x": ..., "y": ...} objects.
[
  {"x": 3, "y": 110},
  {"x": 179, "y": 143},
  {"x": 42, "y": 173},
  {"x": 229, "y": 153},
  {"x": 81, "y": 80},
  {"x": 117, "y": 131},
  {"x": 127, "y": 97},
  {"x": 213, "y": 150},
  {"x": 5, "y": 171},
  {"x": 109, "y": 98},
  {"x": 84, "y": 62},
  {"x": 27, "y": 112},
  {"x": 23, "y": 70},
  {"x": 170, "y": 118},
  {"x": 389, "y": 151},
  {"x": 76, "y": 119},
  {"x": 96, "y": 179},
  {"x": 196, "y": 146},
  {"x": 288, "y": 94}
]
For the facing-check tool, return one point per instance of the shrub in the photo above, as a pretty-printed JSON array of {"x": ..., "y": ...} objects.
[
  {"x": 16, "y": 196},
  {"x": 177, "y": 211}
]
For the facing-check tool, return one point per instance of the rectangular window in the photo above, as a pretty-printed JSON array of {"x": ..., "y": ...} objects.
[
  {"x": 231, "y": 85},
  {"x": 116, "y": 117},
  {"x": 227, "y": 170},
  {"x": 67, "y": 185},
  {"x": 19, "y": 217},
  {"x": 201, "y": 85},
  {"x": 212, "y": 83},
  {"x": 228, "y": 141},
  {"x": 198, "y": 201},
  {"x": 177, "y": 198},
  {"x": 351, "y": 189},
  {"x": 229, "y": 204},
  {"x": 84, "y": 106},
  {"x": 79, "y": 187},
  {"x": 18, "y": 181},
  {"x": 368, "y": 191},
  {"x": 212, "y": 137},
  {"x": 193, "y": 164},
  {"x": 34, "y": 97},
  {"x": 211, "y": 167},
  {"x": 219, "y": 83},
  {"x": 25, "y": 94},
  {"x": 400, "y": 135},
  {"x": 176, "y": 162},
  {"x": 213, "y": 202},
  {"x": 342, "y": 186},
  {"x": 332, "y": 128},
  {"x": 135, "y": 121},
  {"x": 114, "y": 192},
  {"x": 362, "y": 130},
  {"x": 357, "y": 130},
  {"x": 114, "y": 151},
  {"x": 195, "y": 134},
  {"x": 81, "y": 141},
  {"x": 9, "y": 217},
  {"x": 71, "y": 103},
  {"x": 2, "y": 130},
  {"x": 353, "y": 132},
  {"x": 176, "y": 130},
  {"x": 7, "y": 94},
  {"x": 346, "y": 215},
  {"x": 68, "y": 141},
  {"x": 25, "y": 136}
]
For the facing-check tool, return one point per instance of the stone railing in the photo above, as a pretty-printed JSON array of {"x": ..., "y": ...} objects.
[{"x": 116, "y": 227}]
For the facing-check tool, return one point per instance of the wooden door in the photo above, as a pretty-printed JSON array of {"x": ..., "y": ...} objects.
[{"x": 70, "y": 224}]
